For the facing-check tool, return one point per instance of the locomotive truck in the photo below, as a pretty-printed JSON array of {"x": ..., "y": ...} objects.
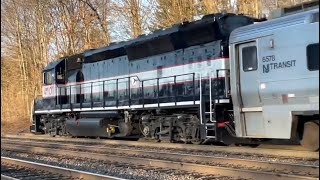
[{"x": 226, "y": 78}]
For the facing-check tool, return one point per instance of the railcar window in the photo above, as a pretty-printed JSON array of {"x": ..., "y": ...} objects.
[
  {"x": 313, "y": 57},
  {"x": 315, "y": 17},
  {"x": 249, "y": 58}
]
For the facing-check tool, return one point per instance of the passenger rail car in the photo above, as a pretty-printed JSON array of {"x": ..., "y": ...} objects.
[
  {"x": 179, "y": 84},
  {"x": 275, "y": 78}
]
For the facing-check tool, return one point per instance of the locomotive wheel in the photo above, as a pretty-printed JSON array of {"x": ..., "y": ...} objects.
[
  {"x": 197, "y": 142},
  {"x": 310, "y": 138}
]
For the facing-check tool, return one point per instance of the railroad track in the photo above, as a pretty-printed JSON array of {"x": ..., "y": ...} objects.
[
  {"x": 195, "y": 165},
  {"x": 171, "y": 146},
  {"x": 16, "y": 169}
]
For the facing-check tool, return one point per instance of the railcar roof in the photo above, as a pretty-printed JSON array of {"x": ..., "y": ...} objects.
[{"x": 265, "y": 28}]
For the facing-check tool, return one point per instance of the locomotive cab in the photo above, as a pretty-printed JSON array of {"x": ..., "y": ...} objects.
[
  {"x": 55, "y": 75},
  {"x": 52, "y": 75}
]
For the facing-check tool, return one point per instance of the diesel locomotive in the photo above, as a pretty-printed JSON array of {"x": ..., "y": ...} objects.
[{"x": 227, "y": 78}]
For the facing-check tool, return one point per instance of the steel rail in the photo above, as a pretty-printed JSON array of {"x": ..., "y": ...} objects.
[
  {"x": 56, "y": 170},
  {"x": 222, "y": 161},
  {"x": 189, "y": 147},
  {"x": 190, "y": 167},
  {"x": 3, "y": 177}
]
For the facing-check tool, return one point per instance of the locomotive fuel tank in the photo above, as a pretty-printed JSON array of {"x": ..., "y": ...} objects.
[{"x": 91, "y": 127}]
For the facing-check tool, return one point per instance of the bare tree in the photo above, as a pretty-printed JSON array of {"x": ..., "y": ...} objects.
[
  {"x": 133, "y": 16},
  {"x": 174, "y": 12},
  {"x": 216, "y": 6},
  {"x": 36, "y": 31},
  {"x": 79, "y": 25},
  {"x": 268, "y": 5},
  {"x": 100, "y": 9},
  {"x": 249, "y": 7}
]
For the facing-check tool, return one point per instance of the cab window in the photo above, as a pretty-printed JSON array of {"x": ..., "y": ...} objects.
[
  {"x": 313, "y": 56},
  {"x": 48, "y": 78},
  {"x": 249, "y": 58}
]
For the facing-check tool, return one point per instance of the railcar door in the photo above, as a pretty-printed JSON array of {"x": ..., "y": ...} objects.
[{"x": 251, "y": 108}]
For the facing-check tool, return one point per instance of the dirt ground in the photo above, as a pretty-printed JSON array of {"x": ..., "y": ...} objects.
[{"x": 15, "y": 127}]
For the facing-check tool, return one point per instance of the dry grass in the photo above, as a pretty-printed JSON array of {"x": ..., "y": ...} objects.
[{"x": 14, "y": 127}]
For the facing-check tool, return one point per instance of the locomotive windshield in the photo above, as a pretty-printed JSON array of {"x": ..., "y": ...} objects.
[
  {"x": 48, "y": 77},
  {"x": 315, "y": 17}
]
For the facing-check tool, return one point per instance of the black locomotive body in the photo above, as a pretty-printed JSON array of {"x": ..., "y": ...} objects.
[{"x": 172, "y": 84}]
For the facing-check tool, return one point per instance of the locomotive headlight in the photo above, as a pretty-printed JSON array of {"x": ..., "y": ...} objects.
[
  {"x": 291, "y": 95},
  {"x": 271, "y": 43},
  {"x": 262, "y": 86}
]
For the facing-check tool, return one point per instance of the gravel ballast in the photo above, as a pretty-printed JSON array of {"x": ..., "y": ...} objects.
[{"x": 107, "y": 168}]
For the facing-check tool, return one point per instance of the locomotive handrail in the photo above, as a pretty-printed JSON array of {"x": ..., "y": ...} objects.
[
  {"x": 174, "y": 89},
  {"x": 32, "y": 110},
  {"x": 128, "y": 87},
  {"x": 200, "y": 98},
  {"x": 91, "y": 96},
  {"x": 117, "y": 93},
  {"x": 128, "y": 91},
  {"x": 210, "y": 96},
  {"x": 168, "y": 76},
  {"x": 73, "y": 85},
  {"x": 100, "y": 81},
  {"x": 213, "y": 75},
  {"x": 60, "y": 101},
  {"x": 227, "y": 83},
  {"x": 86, "y": 83},
  {"x": 80, "y": 97}
]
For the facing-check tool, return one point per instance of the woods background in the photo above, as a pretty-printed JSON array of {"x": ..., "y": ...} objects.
[{"x": 35, "y": 32}]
